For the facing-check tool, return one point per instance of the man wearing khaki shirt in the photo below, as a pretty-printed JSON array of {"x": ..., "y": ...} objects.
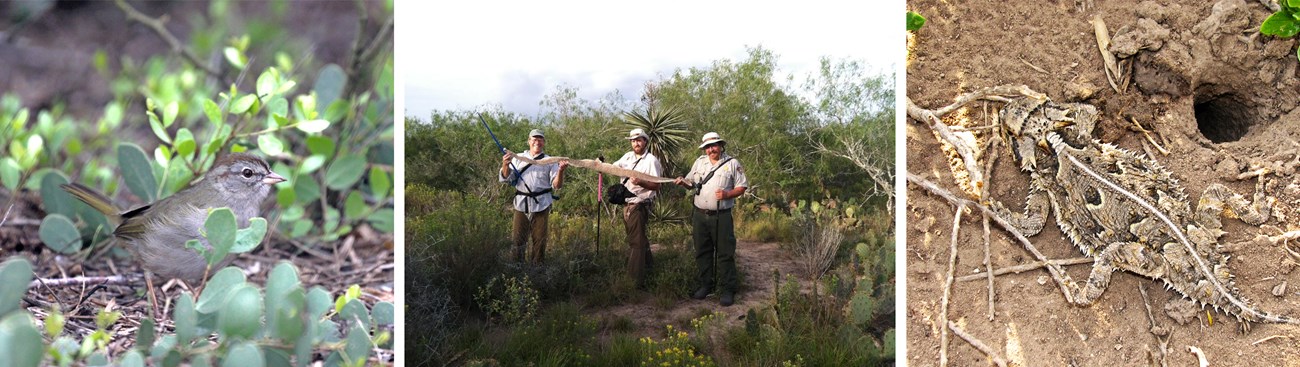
[
  {"x": 637, "y": 212},
  {"x": 718, "y": 179}
]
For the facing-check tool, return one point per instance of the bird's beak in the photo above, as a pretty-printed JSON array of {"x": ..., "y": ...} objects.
[{"x": 273, "y": 178}]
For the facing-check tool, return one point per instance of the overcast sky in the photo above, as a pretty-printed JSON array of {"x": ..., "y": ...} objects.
[{"x": 456, "y": 55}]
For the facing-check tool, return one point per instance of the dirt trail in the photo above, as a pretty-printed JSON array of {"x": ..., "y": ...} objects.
[{"x": 756, "y": 261}]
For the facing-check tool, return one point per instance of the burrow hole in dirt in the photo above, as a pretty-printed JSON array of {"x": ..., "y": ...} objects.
[{"x": 1224, "y": 118}]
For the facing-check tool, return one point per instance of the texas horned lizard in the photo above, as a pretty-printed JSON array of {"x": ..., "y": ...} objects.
[{"x": 1125, "y": 210}]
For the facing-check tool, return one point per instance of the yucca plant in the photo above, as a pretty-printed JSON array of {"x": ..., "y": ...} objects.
[{"x": 668, "y": 132}]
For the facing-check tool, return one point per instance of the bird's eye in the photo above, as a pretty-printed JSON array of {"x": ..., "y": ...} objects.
[{"x": 248, "y": 173}]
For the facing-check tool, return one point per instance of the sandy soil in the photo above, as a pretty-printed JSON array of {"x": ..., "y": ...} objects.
[
  {"x": 1217, "y": 95},
  {"x": 757, "y": 260}
]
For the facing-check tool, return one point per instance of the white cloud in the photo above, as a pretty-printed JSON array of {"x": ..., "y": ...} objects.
[{"x": 464, "y": 54}]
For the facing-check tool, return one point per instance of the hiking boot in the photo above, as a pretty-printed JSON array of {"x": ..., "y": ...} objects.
[
  {"x": 727, "y": 299},
  {"x": 701, "y": 292}
]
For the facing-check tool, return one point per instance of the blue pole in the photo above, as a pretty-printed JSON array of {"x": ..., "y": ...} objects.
[{"x": 502, "y": 148}]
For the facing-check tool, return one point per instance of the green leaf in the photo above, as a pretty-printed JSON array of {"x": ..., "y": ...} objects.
[
  {"x": 355, "y": 311},
  {"x": 914, "y": 21},
  {"x": 185, "y": 319},
  {"x": 276, "y": 110},
  {"x": 285, "y": 197},
  {"x": 281, "y": 279},
  {"x": 56, "y": 200},
  {"x": 300, "y": 228},
  {"x": 221, "y": 228},
  {"x": 244, "y": 354},
  {"x": 382, "y": 220},
  {"x": 313, "y": 126},
  {"x": 383, "y": 313},
  {"x": 345, "y": 172},
  {"x": 358, "y": 346},
  {"x": 247, "y": 239},
  {"x": 235, "y": 58},
  {"x": 132, "y": 358},
  {"x": 285, "y": 319},
  {"x": 307, "y": 190},
  {"x": 158, "y": 129},
  {"x": 1281, "y": 24},
  {"x": 185, "y": 145},
  {"x": 243, "y": 103},
  {"x": 379, "y": 183},
  {"x": 213, "y": 111},
  {"x": 353, "y": 293},
  {"x": 54, "y": 323},
  {"x": 169, "y": 113},
  {"x": 32, "y": 154},
  {"x": 318, "y": 302},
  {"x": 306, "y": 105},
  {"x": 59, "y": 234},
  {"x": 144, "y": 335},
  {"x": 267, "y": 82},
  {"x": 320, "y": 145},
  {"x": 15, "y": 274},
  {"x": 218, "y": 289},
  {"x": 242, "y": 316},
  {"x": 329, "y": 84},
  {"x": 10, "y": 173},
  {"x": 311, "y": 164},
  {"x": 355, "y": 205},
  {"x": 137, "y": 172},
  {"x": 20, "y": 343},
  {"x": 270, "y": 145}
]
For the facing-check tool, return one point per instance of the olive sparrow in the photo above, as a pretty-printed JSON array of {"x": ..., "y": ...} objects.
[{"x": 156, "y": 233}]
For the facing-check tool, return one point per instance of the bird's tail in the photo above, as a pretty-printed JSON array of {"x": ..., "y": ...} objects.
[{"x": 96, "y": 200}]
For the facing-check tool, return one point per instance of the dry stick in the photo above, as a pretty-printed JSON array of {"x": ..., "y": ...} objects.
[
  {"x": 1114, "y": 73},
  {"x": 1058, "y": 274},
  {"x": 947, "y": 284},
  {"x": 1269, "y": 338},
  {"x": 988, "y": 173},
  {"x": 997, "y": 359},
  {"x": 156, "y": 24},
  {"x": 988, "y": 265},
  {"x": 1017, "y": 269},
  {"x": 62, "y": 282},
  {"x": 931, "y": 119},
  {"x": 1162, "y": 339}
]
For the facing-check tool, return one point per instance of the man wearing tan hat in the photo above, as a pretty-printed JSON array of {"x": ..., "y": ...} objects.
[
  {"x": 718, "y": 179},
  {"x": 533, "y": 196},
  {"x": 637, "y": 212}
]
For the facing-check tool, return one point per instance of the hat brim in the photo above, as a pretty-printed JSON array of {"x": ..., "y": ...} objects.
[
  {"x": 638, "y": 137},
  {"x": 719, "y": 141}
]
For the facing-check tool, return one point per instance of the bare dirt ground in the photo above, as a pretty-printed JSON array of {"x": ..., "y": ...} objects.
[
  {"x": 1216, "y": 94},
  {"x": 756, "y": 260}
]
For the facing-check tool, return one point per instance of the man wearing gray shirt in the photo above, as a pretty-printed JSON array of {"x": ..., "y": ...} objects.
[
  {"x": 718, "y": 179},
  {"x": 533, "y": 196}
]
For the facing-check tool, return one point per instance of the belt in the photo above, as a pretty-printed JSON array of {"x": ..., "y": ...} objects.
[{"x": 712, "y": 212}]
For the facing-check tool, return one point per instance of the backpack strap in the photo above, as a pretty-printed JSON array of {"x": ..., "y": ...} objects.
[
  {"x": 699, "y": 186},
  {"x": 638, "y": 161},
  {"x": 521, "y": 177}
]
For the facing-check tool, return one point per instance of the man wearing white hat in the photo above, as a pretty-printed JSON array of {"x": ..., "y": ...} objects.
[
  {"x": 637, "y": 212},
  {"x": 533, "y": 196},
  {"x": 718, "y": 179}
]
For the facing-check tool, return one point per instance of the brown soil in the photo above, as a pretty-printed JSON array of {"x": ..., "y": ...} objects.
[
  {"x": 1219, "y": 96},
  {"x": 757, "y": 260}
]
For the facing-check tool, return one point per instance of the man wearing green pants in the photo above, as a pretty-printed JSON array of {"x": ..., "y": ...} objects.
[{"x": 718, "y": 179}]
